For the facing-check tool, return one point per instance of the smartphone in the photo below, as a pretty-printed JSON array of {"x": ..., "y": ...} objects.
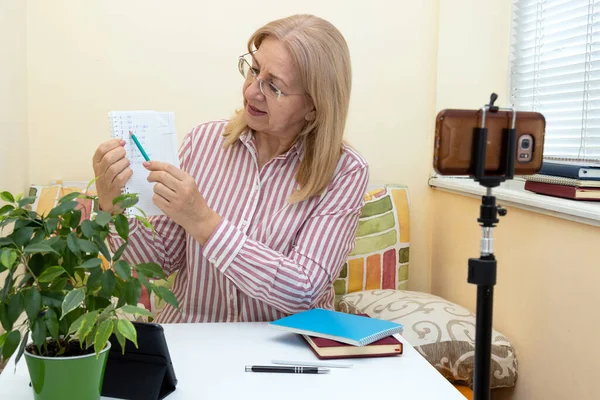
[{"x": 455, "y": 138}]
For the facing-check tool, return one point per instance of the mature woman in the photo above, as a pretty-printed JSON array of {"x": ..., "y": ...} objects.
[{"x": 263, "y": 212}]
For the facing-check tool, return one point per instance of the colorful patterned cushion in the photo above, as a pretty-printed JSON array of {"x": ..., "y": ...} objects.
[
  {"x": 443, "y": 332},
  {"x": 380, "y": 258}
]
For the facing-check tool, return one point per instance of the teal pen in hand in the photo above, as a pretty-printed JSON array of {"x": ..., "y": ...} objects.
[{"x": 139, "y": 146}]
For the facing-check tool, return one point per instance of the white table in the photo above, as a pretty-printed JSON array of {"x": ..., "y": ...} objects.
[{"x": 209, "y": 361}]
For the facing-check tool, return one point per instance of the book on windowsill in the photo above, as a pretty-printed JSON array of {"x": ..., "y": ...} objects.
[
  {"x": 559, "y": 180},
  {"x": 582, "y": 171},
  {"x": 327, "y": 349},
  {"x": 564, "y": 191}
]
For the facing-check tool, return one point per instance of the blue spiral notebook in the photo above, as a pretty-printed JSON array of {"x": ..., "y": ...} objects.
[{"x": 352, "y": 329}]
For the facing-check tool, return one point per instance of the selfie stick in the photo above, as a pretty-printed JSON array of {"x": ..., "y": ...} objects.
[{"x": 482, "y": 270}]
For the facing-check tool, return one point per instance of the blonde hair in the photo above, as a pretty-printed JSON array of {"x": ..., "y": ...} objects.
[{"x": 321, "y": 54}]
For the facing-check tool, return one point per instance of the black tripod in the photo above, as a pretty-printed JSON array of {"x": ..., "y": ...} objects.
[{"x": 482, "y": 270}]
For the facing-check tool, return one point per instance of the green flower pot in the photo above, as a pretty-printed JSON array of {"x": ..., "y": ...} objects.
[{"x": 62, "y": 378}]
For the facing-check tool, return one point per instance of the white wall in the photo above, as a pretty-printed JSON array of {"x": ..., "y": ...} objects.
[
  {"x": 86, "y": 58},
  {"x": 14, "y": 157}
]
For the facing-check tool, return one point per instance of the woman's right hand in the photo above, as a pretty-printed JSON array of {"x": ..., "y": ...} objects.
[{"x": 112, "y": 171}]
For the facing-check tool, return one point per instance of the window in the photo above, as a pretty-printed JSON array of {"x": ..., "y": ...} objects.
[{"x": 555, "y": 70}]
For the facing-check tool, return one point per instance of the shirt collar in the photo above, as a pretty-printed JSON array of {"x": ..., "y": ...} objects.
[{"x": 247, "y": 138}]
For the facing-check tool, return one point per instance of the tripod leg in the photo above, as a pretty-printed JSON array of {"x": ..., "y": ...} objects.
[{"x": 483, "y": 342}]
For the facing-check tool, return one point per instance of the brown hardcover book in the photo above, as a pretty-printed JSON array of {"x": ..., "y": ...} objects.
[
  {"x": 330, "y": 349},
  {"x": 568, "y": 192}
]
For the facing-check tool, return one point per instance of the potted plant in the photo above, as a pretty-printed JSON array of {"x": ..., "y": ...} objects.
[{"x": 70, "y": 292}]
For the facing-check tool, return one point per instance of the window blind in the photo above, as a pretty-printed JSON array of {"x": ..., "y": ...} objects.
[{"x": 555, "y": 70}]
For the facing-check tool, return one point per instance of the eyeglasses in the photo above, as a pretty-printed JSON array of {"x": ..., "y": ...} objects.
[{"x": 269, "y": 89}]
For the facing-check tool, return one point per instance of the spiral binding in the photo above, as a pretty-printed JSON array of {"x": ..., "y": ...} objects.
[
  {"x": 559, "y": 180},
  {"x": 378, "y": 336},
  {"x": 574, "y": 160}
]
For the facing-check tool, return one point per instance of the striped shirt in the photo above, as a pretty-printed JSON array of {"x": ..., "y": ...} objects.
[{"x": 267, "y": 258}]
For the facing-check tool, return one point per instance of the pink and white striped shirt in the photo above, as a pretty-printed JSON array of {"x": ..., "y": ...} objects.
[{"x": 267, "y": 258}]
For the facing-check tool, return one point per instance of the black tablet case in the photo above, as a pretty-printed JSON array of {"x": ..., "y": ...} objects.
[{"x": 144, "y": 373}]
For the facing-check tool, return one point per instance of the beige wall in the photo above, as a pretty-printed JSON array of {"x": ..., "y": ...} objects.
[
  {"x": 14, "y": 157},
  {"x": 87, "y": 58},
  {"x": 546, "y": 298}
]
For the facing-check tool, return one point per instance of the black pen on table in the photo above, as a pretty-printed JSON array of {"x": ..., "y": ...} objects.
[{"x": 288, "y": 370}]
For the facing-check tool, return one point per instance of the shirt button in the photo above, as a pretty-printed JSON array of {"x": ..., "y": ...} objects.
[
  {"x": 244, "y": 223},
  {"x": 213, "y": 260}
]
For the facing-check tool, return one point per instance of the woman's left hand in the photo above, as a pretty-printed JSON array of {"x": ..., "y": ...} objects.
[{"x": 176, "y": 194}]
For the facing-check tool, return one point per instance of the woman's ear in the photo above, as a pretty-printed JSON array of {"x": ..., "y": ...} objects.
[{"x": 310, "y": 116}]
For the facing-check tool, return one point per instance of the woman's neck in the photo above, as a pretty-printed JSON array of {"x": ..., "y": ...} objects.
[{"x": 269, "y": 146}]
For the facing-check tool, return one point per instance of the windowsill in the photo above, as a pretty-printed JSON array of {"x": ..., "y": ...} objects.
[{"x": 512, "y": 193}]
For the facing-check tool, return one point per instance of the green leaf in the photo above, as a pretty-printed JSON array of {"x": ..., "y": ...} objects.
[
  {"x": 38, "y": 332},
  {"x": 51, "y": 273},
  {"x": 21, "y": 236},
  {"x": 51, "y": 321},
  {"x": 52, "y": 299},
  {"x": 104, "y": 331},
  {"x": 73, "y": 299},
  {"x": 87, "y": 246},
  {"x": 15, "y": 308},
  {"x": 26, "y": 201},
  {"x": 6, "y": 196},
  {"x": 69, "y": 197},
  {"x": 8, "y": 258},
  {"x": 123, "y": 269},
  {"x": 108, "y": 282},
  {"x": 86, "y": 228},
  {"x": 6, "y": 209},
  {"x": 91, "y": 263},
  {"x": 51, "y": 224},
  {"x": 58, "y": 285},
  {"x": 5, "y": 241},
  {"x": 122, "y": 226},
  {"x": 106, "y": 313},
  {"x": 120, "y": 338},
  {"x": 39, "y": 236},
  {"x": 102, "y": 247},
  {"x": 62, "y": 208},
  {"x": 76, "y": 324},
  {"x": 8, "y": 285},
  {"x": 136, "y": 310},
  {"x": 133, "y": 291},
  {"x": 166, "y": 295},
  {"x": 121, "y": 293},
  {"x": 103, "y": 218},
  {"x": 127, "y": 329},
  {"x": 4, "y": 320},
  {"x": 89, "y": 339},
  {"x": 75, "y": 219},
  {"x": 33, "y": 303},
  {"x": 88, "y": 322},
  {"x": 21, "y": 347},
  {"x": 91, "y": 183},
  {"x": 126, "y": 200},
  {"x": 10, "y": 344},
  {"x": 151, "y": 270},
  {"x": 40, "y": 248},
  {"x": 94, "y": 280},
  {"x": 73, "y": 244},
  {"x": 119, "y": 252}
]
